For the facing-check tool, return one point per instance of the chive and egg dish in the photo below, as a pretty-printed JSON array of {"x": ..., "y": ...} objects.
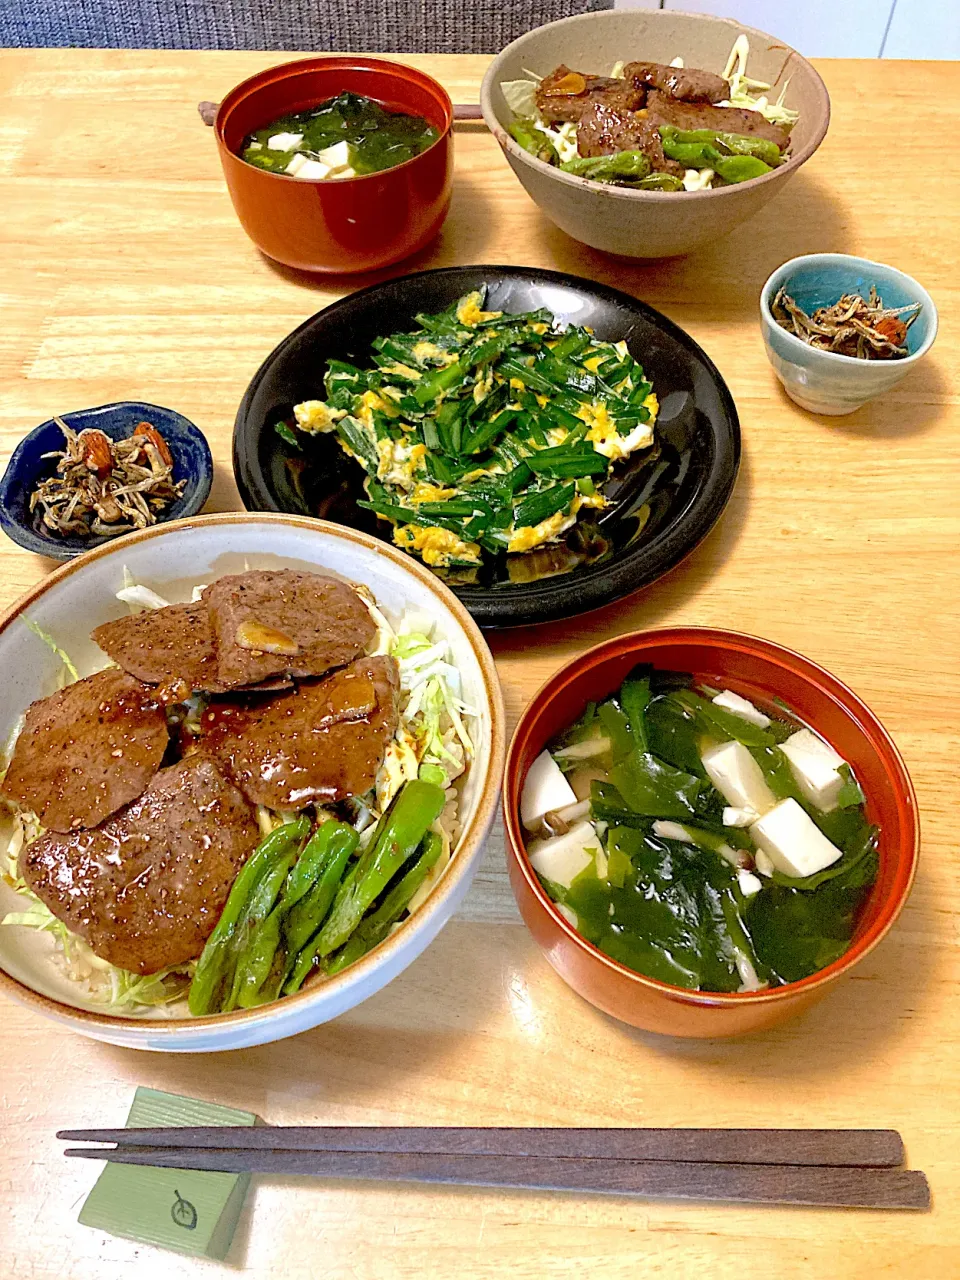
[
  {"x": 483, "y": 432},
  {"x": 698, "y": 838}
]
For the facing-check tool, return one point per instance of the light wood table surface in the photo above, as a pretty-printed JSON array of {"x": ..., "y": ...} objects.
[{"x": 124, "y": 274}]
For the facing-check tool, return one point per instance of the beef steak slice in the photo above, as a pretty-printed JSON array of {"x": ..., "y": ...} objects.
[
  {"x": 320, "y": 743},
  {"x": 282, "y": 622},
  {"x": 146, "y": 889},
  {"x": 164, "y": 646},
  {"x": 684, "y": 83},
  {"x": 556, "y": 106},
  {"x": 88, "y": 750}
]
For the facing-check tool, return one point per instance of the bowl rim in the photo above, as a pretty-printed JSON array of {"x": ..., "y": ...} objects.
[
  {"x": 195, "y": 494},
  {"x": 473, "y": 834},
  {"x": 620, "y": 645},
  {"x": 513, "y": 148},
  {"x": 786, "y": 269},
  {"x": 339, "y": 62},
  {"x": 547, "y": 599}
]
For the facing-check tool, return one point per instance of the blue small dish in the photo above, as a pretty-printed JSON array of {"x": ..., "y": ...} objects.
[
  {"x": 824, "y": 381},
  {"x": 192, "y": 462}
]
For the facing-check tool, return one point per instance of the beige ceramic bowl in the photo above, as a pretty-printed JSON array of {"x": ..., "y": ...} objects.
[
  {"x": 172, "y": 559},
  {"x": 651, "y": 224}
]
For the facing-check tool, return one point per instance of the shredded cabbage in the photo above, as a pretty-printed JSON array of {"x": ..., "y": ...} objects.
[
  {"x": 740, "y": 86},
  {"x": 64, "y": 657}
]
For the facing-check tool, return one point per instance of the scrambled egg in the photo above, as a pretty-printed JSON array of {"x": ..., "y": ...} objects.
[
  {"x": 436, "y": 546},
  {"x": 401, "y": 370},
  {"x": 425, "y": 492},
  {"x": 529, "y": 536},
  {"x": 315, "y": 417},
  {"x": 399, "y": 462},
  {"x": 593, "y": 364},
  {"x": 370, "y": 401},
  {"x": 483, "y": 387},
  {"x": 469, "y": 312},
  {"x": 480, "y": 472},
  {"x": 603, "y": 433},
  {"x": 430, "y": 351}
]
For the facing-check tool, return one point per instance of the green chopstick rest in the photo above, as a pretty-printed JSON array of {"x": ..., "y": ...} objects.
[{"x": 182, "y": 1209}]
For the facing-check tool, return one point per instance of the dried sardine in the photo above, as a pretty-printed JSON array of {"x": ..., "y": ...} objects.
[
  {"x": 103, "y": 487},
  {"x": 852, "y": 326}
]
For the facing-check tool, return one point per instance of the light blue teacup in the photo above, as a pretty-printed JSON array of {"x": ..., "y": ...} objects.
[{"x": 823, "y": 381}]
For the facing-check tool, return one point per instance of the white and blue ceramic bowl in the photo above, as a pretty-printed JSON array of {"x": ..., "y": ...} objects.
[
  {"x": 173, "y": 559},
  {"x": 823, "y": 381},
  {"x": 29, "y": 465}
]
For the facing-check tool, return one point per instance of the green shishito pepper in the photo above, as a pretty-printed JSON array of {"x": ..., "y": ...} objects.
[
  {"x": 533, "y": 140},
  {"x": 213, "y": 980},
  {"x": 299, "y": 911},
  {"x": 700, "y": 149},
  {"x": 661, "y": 182},
  {"x": 335, "y": 842},
  {"x": 737, "y": 144},
  {"x": 619, "y": 167},
  {"x": 374, "y": 928},
  {"x": 415, "y": 809}
]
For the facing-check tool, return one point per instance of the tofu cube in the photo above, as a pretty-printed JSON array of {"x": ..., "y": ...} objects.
[
  {"x": 763, "y": 864},
  {"x": 545, "y": 790},
  {"x": 284, "y": 141},
  {"x": 739, "y": 817},
  {"x": 311, "y": 170},
  {"x": 793, "y": 841},
  {"x": 737, "y": 776},
  {"x": 749, "y": 883},
  {"x": 741, "y": 707},
  {"x": 815, "y": 767},
  {"x": 564, "y": 857},
  {"x": 337, "y": 156}
]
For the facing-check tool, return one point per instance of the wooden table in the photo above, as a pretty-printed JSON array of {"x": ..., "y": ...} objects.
[{"x": 125, "y": 275}]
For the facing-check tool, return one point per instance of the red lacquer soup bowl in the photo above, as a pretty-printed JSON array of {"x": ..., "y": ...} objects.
[
  {"x": 759, "y": 670},
  {"x": 345, "y": 224}
]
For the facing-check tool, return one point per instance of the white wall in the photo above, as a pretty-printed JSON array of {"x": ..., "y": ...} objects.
[{"x": 841, "y": 28}]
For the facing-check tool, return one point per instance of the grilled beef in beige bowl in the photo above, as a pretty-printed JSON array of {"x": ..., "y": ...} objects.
[
  {"x": 636, "y": 223},
  {"x": 133, "y": 802}
]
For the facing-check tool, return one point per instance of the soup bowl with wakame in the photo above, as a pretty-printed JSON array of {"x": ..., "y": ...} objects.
[
  {"x": 338, "y": 164},
  {"x": 705, "y": 831}
]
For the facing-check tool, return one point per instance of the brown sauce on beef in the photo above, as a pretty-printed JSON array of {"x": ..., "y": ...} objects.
[
  {"x": 319, "y": 743},
  {"x": 146, "y": 888},
  {"x": 88, "y": 750}
]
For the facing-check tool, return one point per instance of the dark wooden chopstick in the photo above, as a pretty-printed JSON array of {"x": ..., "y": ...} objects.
[
  {"x": 762, "y": 1184},
  {"x": 461, "y": 111},
  {"x": 864, "y": 1148}
]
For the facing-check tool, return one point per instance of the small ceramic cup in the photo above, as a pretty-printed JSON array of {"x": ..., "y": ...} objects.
[{"x": 823, "y": 381}]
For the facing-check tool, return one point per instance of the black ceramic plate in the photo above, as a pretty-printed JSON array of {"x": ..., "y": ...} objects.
[{"x": 684, "y": 487}]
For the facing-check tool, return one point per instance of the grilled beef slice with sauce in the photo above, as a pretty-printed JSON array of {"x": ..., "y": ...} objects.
[
  {"x": 319, "y": 743},
  {"x": 603, "y": 131},
  {"x": 565, "y": 95},
  {"x": 88, "y": 750},
  {"x": 164, "y": 646},
  {"x": 146, "y": 889},
  {"x": 662, "y": 109},
  {"x": 687, "y": 84},
  {"x": 280, "y": 622}
]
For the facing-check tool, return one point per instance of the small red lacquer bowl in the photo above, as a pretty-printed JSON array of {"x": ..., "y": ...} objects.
[
  {"x": 759, "y": 670},
  {"x": 344, "y": 224}
]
